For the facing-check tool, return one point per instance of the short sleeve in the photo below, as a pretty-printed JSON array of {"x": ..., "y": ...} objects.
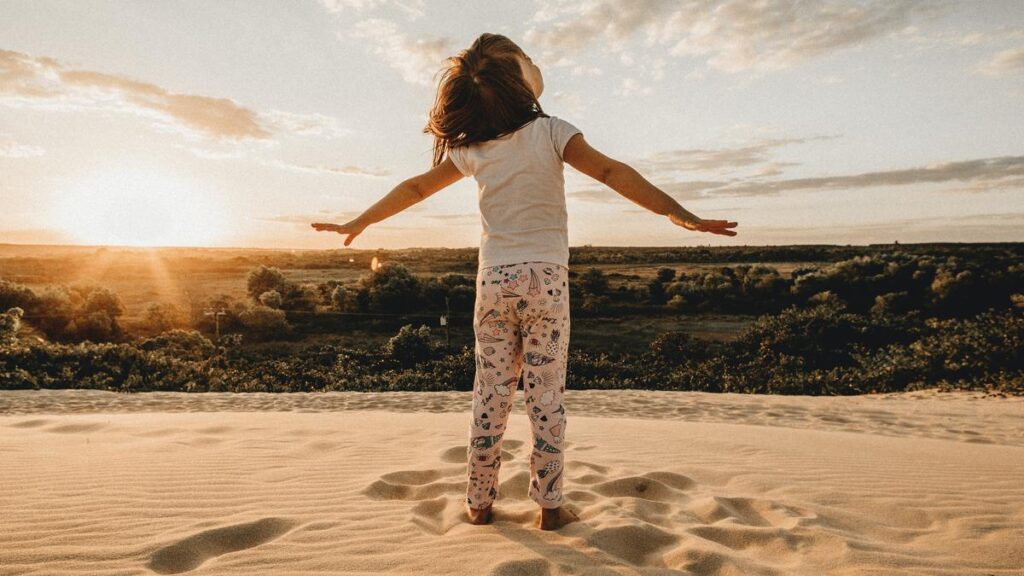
[
  {"x": 458, "y": 156},
  {"x": 561, "y": 132}
]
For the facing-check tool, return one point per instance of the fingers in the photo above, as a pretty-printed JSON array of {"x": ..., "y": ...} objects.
[
  {"x": 717, "y": 227},
  {"x": 340, "y": 229},
  {"x": 329, "y": 227}
]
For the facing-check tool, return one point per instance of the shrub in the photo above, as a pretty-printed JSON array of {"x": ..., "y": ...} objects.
[
  {"x": 262, "y": 323},
  {"x": 188, "y": 344},
  {"x": 409, "y": 347},
  {"x": 391, "y": 288},
  {"x": 16, "y": 295},
  {"x": 264, "y": 279},
  {"x": 161, "y": 317},
  {"x": 271, "y": 299},
  {"x": 10, "y": 322}
]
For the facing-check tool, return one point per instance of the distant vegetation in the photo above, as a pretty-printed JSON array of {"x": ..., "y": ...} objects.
[{"x": 880, "y": 319}]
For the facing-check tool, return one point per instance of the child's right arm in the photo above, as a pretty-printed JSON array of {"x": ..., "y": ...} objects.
[{"x": 625, "y": 180}]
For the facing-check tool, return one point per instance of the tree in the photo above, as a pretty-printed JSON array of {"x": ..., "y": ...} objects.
[
  {"x": 264, "y": 279},
  {"x": 271, "y": 299},
  {"x": 16, "y": 295},
  {"x": 392, "y": 288},
  {"x": 409, "y": 347},
  {"x": 264, "y": 323},
  {"x": 180, "y": 343},
  {"x": 10, "y": 322},
  {"x": 161, "y": 317}
]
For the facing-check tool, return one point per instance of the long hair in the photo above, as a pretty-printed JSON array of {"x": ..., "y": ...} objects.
[{"x": 482, "y": 95}]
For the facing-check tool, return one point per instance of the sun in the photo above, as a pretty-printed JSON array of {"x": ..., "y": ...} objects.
[{"x": 139, "y": 206}]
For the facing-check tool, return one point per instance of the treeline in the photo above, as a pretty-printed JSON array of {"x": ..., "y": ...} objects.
[
  {"x": 276, "y": 308},
  {"x": 823, "y": 349}
]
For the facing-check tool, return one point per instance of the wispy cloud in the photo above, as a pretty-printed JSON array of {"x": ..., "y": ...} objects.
[
  {"x": 718, "y": 159},
  {"x": 413, "y": 8},
  {"x": 984, "y": 171},
  {"x": 304, "y": 124},
  {"x": 1004, "y": 62},
  {"x": 321, "y": 169},
  {"x": 631, "y": 87},
  {"x": 732, "y": 35},
  {"x": 12, "y": 149},
  {"x": 978, "y": 175},
  {"x": 959, "y": 228},
  {"x": 303, "y": 221},
  {"x": 417, "y": 60},
  {"x": 40, "y": 82},
  {"x": 462, "y": 219}
]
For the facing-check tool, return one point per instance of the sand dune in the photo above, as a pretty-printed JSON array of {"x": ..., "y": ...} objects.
[{"x": 663, "y": 483}]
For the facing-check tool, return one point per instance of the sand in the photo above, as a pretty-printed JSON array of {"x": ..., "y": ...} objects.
[{"x": 663, "y": 483}]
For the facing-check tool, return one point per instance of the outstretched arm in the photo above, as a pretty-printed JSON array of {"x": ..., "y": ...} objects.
[
  {"x": 625, "y": 180},
  {"x": 402, "y": 196}
]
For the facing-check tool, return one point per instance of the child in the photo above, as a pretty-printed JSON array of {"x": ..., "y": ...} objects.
[{"x": 489, "y": 123}]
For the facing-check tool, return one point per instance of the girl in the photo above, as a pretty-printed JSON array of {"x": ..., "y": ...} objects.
[{"x": 487, "y": 123}]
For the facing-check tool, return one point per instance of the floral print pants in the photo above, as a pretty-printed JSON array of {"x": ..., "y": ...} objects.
[{"x": 521, "y": 323}]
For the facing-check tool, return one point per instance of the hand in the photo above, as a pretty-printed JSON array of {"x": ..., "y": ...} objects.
[
  {"x": 696, "y": 224},
  {"x": 352, "y": 228}
]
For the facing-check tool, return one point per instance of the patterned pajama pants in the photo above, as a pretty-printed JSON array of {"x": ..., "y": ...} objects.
[{"x": 521, "y": 322}]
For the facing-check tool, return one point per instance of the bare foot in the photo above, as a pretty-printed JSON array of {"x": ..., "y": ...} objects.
[
  {"x": 480, "y": 515},
  {"x": 555, "y": 518}
]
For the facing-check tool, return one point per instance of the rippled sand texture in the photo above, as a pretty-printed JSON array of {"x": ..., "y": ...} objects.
[{"x": 920, "y": 484}]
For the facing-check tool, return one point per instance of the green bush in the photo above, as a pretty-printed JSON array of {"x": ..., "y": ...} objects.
[
  {"x": 410, "y": 346},
  {"x": 10, "y": 323}
]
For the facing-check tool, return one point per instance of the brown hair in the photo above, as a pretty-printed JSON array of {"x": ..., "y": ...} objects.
[{"x": 482, "y": 95}]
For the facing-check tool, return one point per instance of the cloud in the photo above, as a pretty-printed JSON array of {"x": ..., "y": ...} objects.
[
  {"x": 304, "y": 124},
  {"x": 732, "y": 35},
  {"x": 417, "y": 60},
  {"x": 44, "y": 83},
  {"x": 321, "y": 169},
  {"x": 718, "y": 160},
  {"x": 1004, "y": 62},
  {"x": 304, "y": 221},
  {"x": 28, "y": 81},
  {"x": 463, "y": 219},
  {"x": 413, "y": 8},
  {"x": 983, "y": 171},
  {"x": 993, "y": 227},
  {"x": 573, "y": 103},
  {"x": 979, "y": 175},
  {"x": 11, "y": 149},
  {"x": 587, "y": 71},
  {"x": 630, "y": 87}
]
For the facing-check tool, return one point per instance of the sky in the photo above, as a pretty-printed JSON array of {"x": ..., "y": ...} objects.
[{"x": 193, "y": 123}]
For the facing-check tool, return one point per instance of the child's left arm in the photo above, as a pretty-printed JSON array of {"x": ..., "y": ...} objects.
[{"x": 402, "y": 196}]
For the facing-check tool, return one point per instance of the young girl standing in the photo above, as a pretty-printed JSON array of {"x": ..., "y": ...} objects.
[{"x": 487, "y": 123}]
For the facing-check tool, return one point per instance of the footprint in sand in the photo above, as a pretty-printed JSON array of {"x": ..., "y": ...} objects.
[
  {"x": 192, "y": 552},
  {"x": 439, "y": 492}
]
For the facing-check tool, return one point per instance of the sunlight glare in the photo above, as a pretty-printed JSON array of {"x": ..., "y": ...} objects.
[{"x": 139, "y": 207}]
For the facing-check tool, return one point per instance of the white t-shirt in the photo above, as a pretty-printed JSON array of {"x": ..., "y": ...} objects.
[{"x": 521, "y": 190}]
